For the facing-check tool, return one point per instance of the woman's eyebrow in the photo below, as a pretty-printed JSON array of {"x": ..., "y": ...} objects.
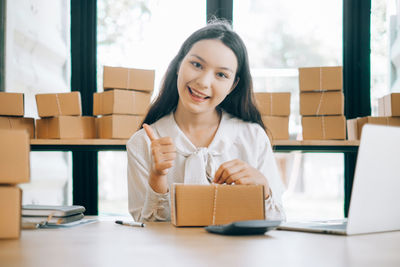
[{"x": 201, "y": 59}]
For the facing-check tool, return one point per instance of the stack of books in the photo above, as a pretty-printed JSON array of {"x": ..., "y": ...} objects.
[{"x": 44, "y": 214}]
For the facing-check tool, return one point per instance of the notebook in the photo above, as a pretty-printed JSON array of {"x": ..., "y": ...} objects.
[
  {"x": 47, "y": 210},
  {"x": 375, "y": 194},
  {"x": 52, "y": 220}
]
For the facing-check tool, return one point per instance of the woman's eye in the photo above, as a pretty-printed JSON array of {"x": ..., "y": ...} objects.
[
  {"x": 222, "y": 75},
  {"x": 196, "y": 64}
]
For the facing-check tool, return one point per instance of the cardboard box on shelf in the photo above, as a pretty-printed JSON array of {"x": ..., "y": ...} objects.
[
  {"x": 66, "y": 127},
  {"x": 18, "y": 123},
  {"x": 321, "y": 79},
  {"x": 389, "y": 105},
  {"x": 322, "y": 103},
  {"x": 277, "y": 127},
  {"x": 11, "y": 104},
  {"x": 121, "y": 102},
  {"x": 273, "y": 104},
  {"x": 201, "y": 205},
  {"x": 124, "y": 78},
  {"x": 10, "y": 212},
  {"x": 59, "y": 104},
  {"x": 324, "y": 127},
  {"x": 14, "y": 157},
  {"x": 354, "y": 126},
  {"x": 117, "y": 126}
]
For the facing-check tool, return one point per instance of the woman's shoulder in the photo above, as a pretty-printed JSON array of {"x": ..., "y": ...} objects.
[
  {"x": 138, "y": 141},
  {"x": 240, "y": 126}
]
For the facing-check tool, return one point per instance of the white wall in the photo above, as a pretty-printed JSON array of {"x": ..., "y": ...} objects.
[{"x": 394, "y": 42}]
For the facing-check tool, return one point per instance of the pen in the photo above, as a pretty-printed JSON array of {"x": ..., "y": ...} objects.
[{"x": 135, "y": 224}]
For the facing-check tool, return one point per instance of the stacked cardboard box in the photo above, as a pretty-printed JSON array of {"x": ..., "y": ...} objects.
[
  {"x": 275, "y": 111},
  {"x": 124, "y": 102},
  {"x": 14, "y": 169},
  {"x": 388, "y": 111},
  {"x": 12, "y": 112},
  {"x": 322, "y": 103},
  {"x": 61, "y": 117}
]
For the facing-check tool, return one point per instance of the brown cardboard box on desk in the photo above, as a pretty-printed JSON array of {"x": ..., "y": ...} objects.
[
  {"x": 117, "y": 126},
  {"x": 121, "y": 102},
  {"x": 14, "y": 157},
  {"x": 66, "y": 127},
  {"x": 202, "y": 205},
  {"x": 354, "y": 126},
  {"x": 131, "y": 79},
  {"x": 18, "y": 123},
  {"x": 321, "y": 79},
  {"x": 389, "y": 105},
  {"x": 324, "y": 127},
  {"x": 277, "y": 126},
  {"x": 273, "y": 104},
  {"x": 322, "y": 103},
  {"x": 59, "y": 104},
  {"x": 10, "y": 211},
  {"x": 11, "y": 104}
]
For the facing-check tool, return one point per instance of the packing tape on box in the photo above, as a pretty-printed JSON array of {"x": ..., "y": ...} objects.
[
  {"x": 323, "y": 128},
  {"x": 9, "y": 122},
  {"x": 58, "y": 105},
  {"x": 128, "y": 78},
  {"x": 320, "y": 103},
  {"x": 215, "y": 203},
  {"x": 270, "y": 100}
]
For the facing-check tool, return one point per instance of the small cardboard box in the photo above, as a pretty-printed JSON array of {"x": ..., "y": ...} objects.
[
  {"x": 121, "y": 102},
  {"x": 201, "y": 205},
  {"x": 18, "y": 123},
  {"x": 273, "y": 104},
  {"x": 354, "y": 126},
  {"x": 324, "y": 127},
  {"x": 124, "y": 78},
  {"x": 14, "y": 157},
  {"x": 11, "y": 104},
  {"x": 66, "y": 127},
  {"x": 389, "y": 105},
  {"x": 117, "y": 126},
  {"x": 60, "y": 104},
  {"x": 321, "y": 79},
  {"x": 277, "y": 127},
  {"x": 10, "y": 211},
  {"x": 322, "y": 103}
]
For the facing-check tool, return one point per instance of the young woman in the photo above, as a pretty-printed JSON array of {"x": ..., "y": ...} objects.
[{"x": 203, "y": 128}]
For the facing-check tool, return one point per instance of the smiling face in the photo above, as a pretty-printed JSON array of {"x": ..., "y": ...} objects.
[{"x": 206, "y": 76}]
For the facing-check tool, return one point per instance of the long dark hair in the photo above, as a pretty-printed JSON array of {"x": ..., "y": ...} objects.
[{"x": 239, "y": 103}]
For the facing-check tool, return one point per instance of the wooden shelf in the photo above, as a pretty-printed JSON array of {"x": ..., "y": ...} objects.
[{"x": 78, "y": 141}]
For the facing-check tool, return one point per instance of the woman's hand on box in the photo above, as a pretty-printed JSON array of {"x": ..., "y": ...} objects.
[
  {"x": 164, "y": 153},
  {"x": 240, "y": 172}
]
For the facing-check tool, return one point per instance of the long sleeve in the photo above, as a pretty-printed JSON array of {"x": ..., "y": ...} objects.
[
  {"x": 267, "y": 165},
  {"x": 144, "y": 204}
]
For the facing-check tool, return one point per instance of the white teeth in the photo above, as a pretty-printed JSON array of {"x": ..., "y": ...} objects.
[{"x": 197, "y": 94}]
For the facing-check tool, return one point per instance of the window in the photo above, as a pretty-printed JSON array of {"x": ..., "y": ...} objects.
[{"x": 145, "y": 35}]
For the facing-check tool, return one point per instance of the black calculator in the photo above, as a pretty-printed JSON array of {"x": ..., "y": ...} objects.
[{"x": 251, "y": 227}]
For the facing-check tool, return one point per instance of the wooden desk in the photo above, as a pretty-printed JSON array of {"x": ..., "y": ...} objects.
[{"x": 105, "y": 243}]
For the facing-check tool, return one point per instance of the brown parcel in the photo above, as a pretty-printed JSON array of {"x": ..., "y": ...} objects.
[
  {"x": 324, "y": 127},
  {"x": 14, "y": 156},
  {"x": 61, "y": 104},
  {"x": 320, "y": 79},
  {"x": 10, "y": 211},
  {"x": 120, "y": 102},
  {"x": 277, "y": 127},
  {"x": 322, "y": 103},
  {"x": 389, "y": 105},
  {"x": 66, "y": 127},
  {"x": 18, "y": 123},
  {"x": 117, "y": 126},
  {"x": 201, "y": 205},
  {"x": 273, "y": 104},
  {"x": 354, "y": 126},
  {"x": 11, "y": 104},
  {"x": 124, "y": 78}
]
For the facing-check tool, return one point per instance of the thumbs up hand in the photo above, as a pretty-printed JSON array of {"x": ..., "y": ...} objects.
[{"x": 164, "y": 153}]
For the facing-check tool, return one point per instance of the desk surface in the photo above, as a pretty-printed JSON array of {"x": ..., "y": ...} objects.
[{"x": 105, "y": 243}]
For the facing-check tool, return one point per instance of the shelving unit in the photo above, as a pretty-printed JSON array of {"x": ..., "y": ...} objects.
[{"x": 94, "y": 145}]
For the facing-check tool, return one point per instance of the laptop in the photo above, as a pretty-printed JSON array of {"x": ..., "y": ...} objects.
[{"x": 375, "y": 194}]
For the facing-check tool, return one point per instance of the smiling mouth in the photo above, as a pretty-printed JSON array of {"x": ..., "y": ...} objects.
[{"x": 196, "y": 94}]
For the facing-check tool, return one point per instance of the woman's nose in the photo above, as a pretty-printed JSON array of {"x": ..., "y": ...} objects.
[{"x": 204, "y": 80}]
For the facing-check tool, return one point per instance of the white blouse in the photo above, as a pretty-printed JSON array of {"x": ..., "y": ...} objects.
[{"x": 235, "y": 139}]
